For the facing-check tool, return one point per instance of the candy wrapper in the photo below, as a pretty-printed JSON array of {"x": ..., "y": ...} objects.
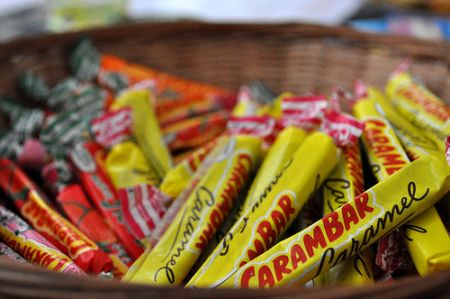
[
  {"x": 272, "y": 210},
  {"x": 146, "y": 129},
  {"x": 178, "y": 177},
  {"x": 195, "y": 131},
  {"x": 191, "y": 184},
  {"x": 304, "y": 112},
  {"x": 177, "y": 98},
  {"x": 419, "y": 105},
  {"x": 73, "y": 201},
  {"x": 31, "y": 245},
  {"x": 387, "y": 156},
  {"x": 127, "y": 166},
  {"x": 35, "y": 209},
  {"x": 88, "y": 159},
  {"x": 416, "y": 144},
  {"x": 348, "y": 230},
  {"x": 7, "y": 252},
  {"x": 112, "y": 127},
  {"x": 170, "y": 260},
  {"x": 286, "y": 144},
  {"x": 343, "y": 184},
  {"x": 143, "y": 206}
]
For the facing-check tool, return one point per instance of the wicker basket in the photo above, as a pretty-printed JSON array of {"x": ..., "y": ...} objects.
[{"x": 296, "y": 58}]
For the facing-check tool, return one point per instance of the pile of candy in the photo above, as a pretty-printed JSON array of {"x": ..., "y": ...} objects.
[{"x": 154, "y": 179}]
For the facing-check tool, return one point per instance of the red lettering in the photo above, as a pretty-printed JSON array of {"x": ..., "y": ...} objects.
[
  {"x": 349, "y": 216},
  {"x": 267, "y": 233},
  {"x": 285, "y": 204},
  {"x": 246, "y": 276},
  {"x": 278, "y": 220},
  {"x": 392, "y": 170},
  {"x": 280, "y": 266},
  {"x": 377, "y": 149},
  {"x": 297, "y": 255},
  {"x": 265, "y": 277},
  {"x": 333, "y": 228},
  {"x": 314, "y": 241},
  {"x": 393, "y": 159},
  {"x": 361, "y": 203}
]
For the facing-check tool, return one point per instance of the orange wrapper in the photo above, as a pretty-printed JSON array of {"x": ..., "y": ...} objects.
[
  {"x": 195, "y": 131},
  {"x": 33, "y": 207},
  {"x": 177, "y": 98}
]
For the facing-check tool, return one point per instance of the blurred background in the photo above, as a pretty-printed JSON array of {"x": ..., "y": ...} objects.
[{"x": 428, "y": 19}]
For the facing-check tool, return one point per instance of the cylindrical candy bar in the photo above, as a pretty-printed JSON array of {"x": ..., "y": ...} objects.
[
  {"x": 348, "y": 230},
  {"x": 389, "y": 156},
  {"x": 146, "y": 129},
  {"x": 31, "y": 245},
  {"x": 420, "y": 106},
  {"x": 88, "y": 160},
  {"x": 195, "y": 131},
  {"x": 341, "y": 186},
  {"x": 127, "y": 166},
  {"x": 170, "y": 260},
  {"x": 80, "y": 211},
  {"x": 6, "y": 251},
  {"x": 273, "y": 209},
  {"x": 35, "y": 209},
  {"x": 177, "y": 178},
  {"x": 287, "y": 143}
]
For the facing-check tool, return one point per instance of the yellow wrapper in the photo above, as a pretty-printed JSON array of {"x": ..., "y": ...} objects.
[
  {"x": 386, "y": 156},
  {"x": 414, "y": 141},
  {"x": 420, "y": 106},
  {"x": 146, "y": 129},
  {"x": 272, "y": 212},
  {"x": 127, "y": 166},
  {"x": 171, "y": 259},
  {"x": 287, "y": 142},
  {"x": 274, "y": 109},
  {"x": 341, "y": 186},
  {"x": 349, "y": 229},
  {"x": 177, "y": 178},
  {"x": 385, "y": 152}
]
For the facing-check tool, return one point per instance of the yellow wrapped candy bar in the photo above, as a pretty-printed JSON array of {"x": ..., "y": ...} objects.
[
  {"x": 420, "y": 106},
  {"x": 348, "y": 230},
  {"x": 170, "y": 260},
  {"x": 272, "y": 211},
  {"x": 177, "y": 178},
  {"x": 127, "y": 166},
  {"x": 385, "y": 152},
  {"x": 279, "y": 153},
  {"x": 146, "y": 129},
  {"x": 340, "y": 187},
  {"x": 414, "y": 141},
  {"x": 386, "y": 157}
]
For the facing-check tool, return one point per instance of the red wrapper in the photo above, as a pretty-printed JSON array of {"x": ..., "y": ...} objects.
[
  {"x": 88, "y": 160},
  {"x": 264, "y": 127},
  {"x": 143, "y": 206},
  {"x": 195, "y": 131},
  {"x": 33, "y": 207},
  {"x": 304, "y": 112},
  {"x": 80, "y": 211},
  {"x": 112, "y": 127}
]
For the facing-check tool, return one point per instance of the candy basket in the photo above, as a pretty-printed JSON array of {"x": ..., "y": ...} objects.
[{"x": 297, "y": 58}]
